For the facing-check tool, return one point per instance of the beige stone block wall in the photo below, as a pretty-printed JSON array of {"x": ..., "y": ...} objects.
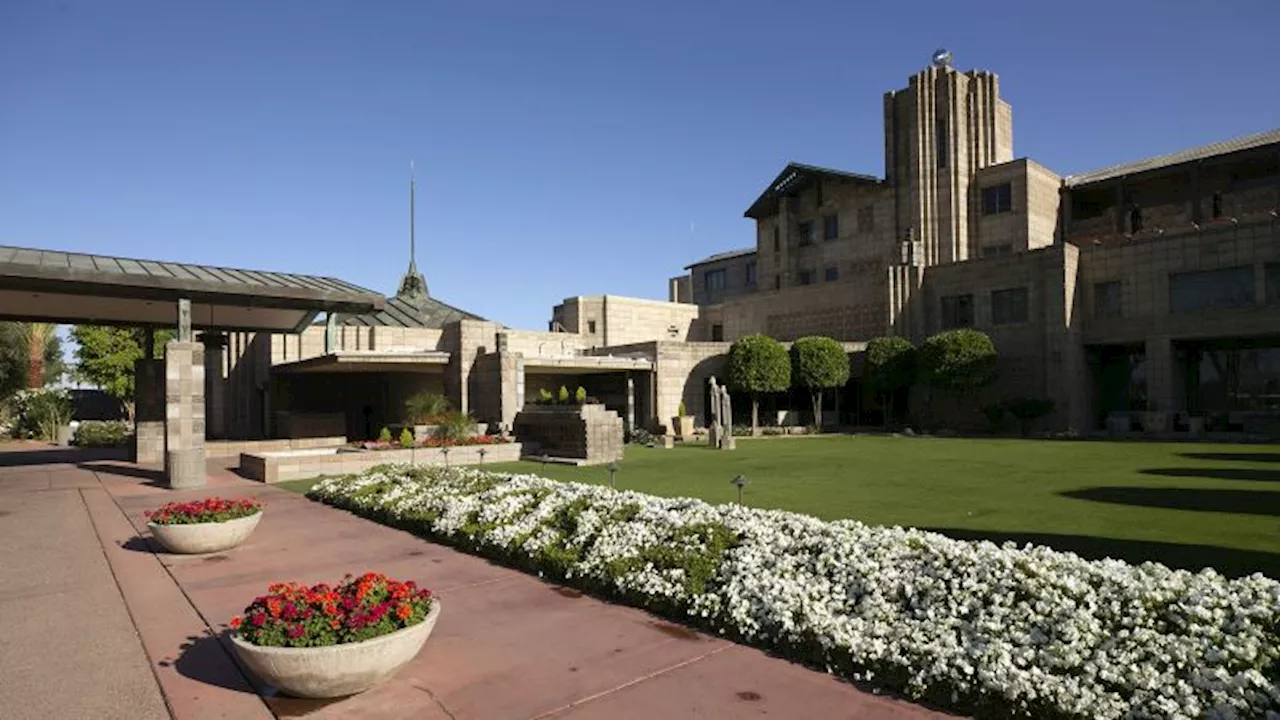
[
  {"x": 681, "y": 371},
  {"x": 631, "y": 320}
]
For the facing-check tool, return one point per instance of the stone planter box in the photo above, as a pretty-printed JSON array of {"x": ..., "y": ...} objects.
[
  {"x": 591, "y": 433},
  {"x": 1154, "y": 421},
  {"x": 682, "y": 425},
  {"x": 273, "y": 467},
  {"x": 336, "y": 670},
  {"x": 233, "y": 448},
  {"x": 200, "y": 538},
  {"x": 426, "y": 431},
  {"x": 1118, "y": 424}
]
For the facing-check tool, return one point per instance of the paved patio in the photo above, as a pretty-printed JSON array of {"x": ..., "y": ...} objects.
[{"x": 99, "y": 625}]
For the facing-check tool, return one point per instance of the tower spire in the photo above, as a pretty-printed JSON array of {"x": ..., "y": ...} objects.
[{"x": 413, "y": 284}]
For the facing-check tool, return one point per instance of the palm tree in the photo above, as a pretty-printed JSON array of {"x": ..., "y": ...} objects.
[{"x": 36, "y": 338}]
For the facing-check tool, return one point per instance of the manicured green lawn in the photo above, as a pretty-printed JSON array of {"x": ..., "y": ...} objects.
[{"x": 1184, "y": 505}]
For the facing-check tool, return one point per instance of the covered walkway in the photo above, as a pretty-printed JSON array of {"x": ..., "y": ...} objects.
[{"x": 99, "y": 625}]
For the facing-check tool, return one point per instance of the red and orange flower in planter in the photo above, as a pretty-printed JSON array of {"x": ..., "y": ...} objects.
[
  {"x": 209, "y": 510},
  {"x": 204, "y": 526},
  {"x": 324, "y": 641},
  {"x": 433, "y": 442}
]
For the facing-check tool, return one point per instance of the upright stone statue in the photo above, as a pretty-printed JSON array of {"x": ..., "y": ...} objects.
[
  {"x": 713, "y": 427},
  {"x": 720, "y": 429},
  {"x": 726, "y": 419}
]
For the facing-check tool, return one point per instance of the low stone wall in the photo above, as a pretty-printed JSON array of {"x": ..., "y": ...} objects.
[
  {"x": 232, "y": 448},
  {"x": 273, "y": 467},
  {"x": 591, "y": 433}
]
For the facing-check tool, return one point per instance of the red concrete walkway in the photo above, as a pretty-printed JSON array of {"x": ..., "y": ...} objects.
[{"x": 507, "y": 645}]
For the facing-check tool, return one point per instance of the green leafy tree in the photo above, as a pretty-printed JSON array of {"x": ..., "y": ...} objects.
[
  {"x": 758, "y": 364},
  {"x": 817, "y": 364},
  {"x": 958, "y": 361},
  {"x": 385, "y": 435},
  {"x": 105, "y": 357},
  {"x": 406, "y": 438},
  {"x": 426, "y": 407},
  {"x": 891, "y": 367}
]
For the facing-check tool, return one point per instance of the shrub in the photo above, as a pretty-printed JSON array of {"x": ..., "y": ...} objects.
[
  {"x": 385, "y": 435},
  {"x": 1028, "y": 410},
  {"x": 46, "y": 412},
  {"x": 891, "y": 367},
  {"x": 958, "y": 360},
  {"x": 640, "y": 436},
  {"x": 294, "y": 615},
  {"x": 406, "y": 438},
  {"x": 580, "y": 396},
  {"x": 818, "y": 363},
  {"x": 563, "y": 397},
  {"x": 455, "y": 426},
  {"x": 98, "y": 433},
  {"x": 758, "y": 364},
  {"x": 995, "y": 414},
  {"x": 545, "y": 397},
  {"x": 425, "y": 408},
  {"x": 209, "y": 510}
]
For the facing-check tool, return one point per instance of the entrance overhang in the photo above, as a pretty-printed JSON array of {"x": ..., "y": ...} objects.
[
  {"x": 585, "y": 364},
  {"x": 431, "y": 361}
]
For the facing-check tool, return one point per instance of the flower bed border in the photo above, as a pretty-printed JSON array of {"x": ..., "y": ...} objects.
[{"x": 895, "y": 674}]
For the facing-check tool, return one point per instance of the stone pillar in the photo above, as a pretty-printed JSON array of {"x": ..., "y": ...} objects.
[
  {"x": 184, "y": 414},
  {"x": 631, "y": 406},
  {"x": 1160, "y": 374},
  {"x": 215, "y": 385},
  {"x": 148, "y": 412},
  {"x": 330, "y": 333}
]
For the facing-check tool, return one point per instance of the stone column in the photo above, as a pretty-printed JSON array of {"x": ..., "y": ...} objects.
[
  {"x": 148, "y": 412},
  {"x": 631, "y": 406},
  {"x": 1160, "y": 374},
  {"x": 215, "y": 384},
  {"x": 184, "y": 414}
]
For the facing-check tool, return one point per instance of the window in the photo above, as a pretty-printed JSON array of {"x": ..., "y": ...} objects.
[
  {"x": 1135, "y": 219},
  {"x": 866, "y": 219},
  {"x": 1106, "y": 299},
  {"x": 831, "y": 274},
  {"x": 997, "y": 199},
  {"x": 817, "y": 194},
  {"x": 751, "y": 273},
  {"x": 591, "y": 327},
  {"x": 805, "y": 232},
  {"x": 1273, "y": 283},
  {"x": 1009, "y": 306},
  {"x": 777, "y": 282},
  {"x": 830, "y": 227},
  {"x": 1211, "y": 290},
  {"x": 717, "y": 333},
  {"x": 997, "y": 250},
  {"x": 1089, "y": 204},
  {"x": 777, "y": 240},
  {"x": 805, "y": 278},
  {"x": 1217, "y": 205},
  {"x": 714, "y": 279},
  {"x": 957, "y": 311},
  {"x": 943, "y": 149}
]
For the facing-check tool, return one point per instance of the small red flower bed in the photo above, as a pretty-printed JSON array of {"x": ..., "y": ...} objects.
[
  {"x": 294, "y": 615},
  {"x": 209, "y": 510},
  {"x": 434, "y": 442}
]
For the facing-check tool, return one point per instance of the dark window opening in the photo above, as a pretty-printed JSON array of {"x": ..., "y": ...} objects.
[
  {"x": 831, "y": 274},
  {"x": 997, "y": 199},
  {"x": 866, "y": 219},
  {"x": 1135, "y": 219},
  {"x": 830, "y": 227},
  {"x": 591, "y": 327},
  {"x": 805, "y": 232},
  {"x": 1255, "y": 171},
  {"x": 1217, "y": 205},
  {"x": 1273, "y": 283},
  {"x": 1009, "y": 306},
  {"x": 751, "y": 273},
  {"x": 777, "y": 240},
  {"x": 1090, "y": 204},
  {"x": 1106, "y": 299},
  {"x": 717, "y": 333},
  {"x": 817, "y": 194},
  {"x": 957, "y": 311},
  {"x": 997, "y": 250},
  {"x": 1221, "y": 289},
  {"x": 777, "y": 282},
  {"x": 715, "y": 279},
  {"x": 806, "y": 277},
  {"x": 942, "y": 149}
]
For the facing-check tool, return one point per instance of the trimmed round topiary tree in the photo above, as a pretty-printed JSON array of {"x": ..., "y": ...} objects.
[
  {"x": 818, "y": 363},
  {"x": 891, "y": 367},
  {"x": 758, "y": 364},
  {"x": 958, "y": 361}
]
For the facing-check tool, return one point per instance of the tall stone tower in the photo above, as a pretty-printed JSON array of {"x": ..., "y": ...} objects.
[{"x": 939, "y": 131}]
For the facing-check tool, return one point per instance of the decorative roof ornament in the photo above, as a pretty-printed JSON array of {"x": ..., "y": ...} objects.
[
  {"x": 412, "y": 284},
  {"x": 941, "y": 58}
]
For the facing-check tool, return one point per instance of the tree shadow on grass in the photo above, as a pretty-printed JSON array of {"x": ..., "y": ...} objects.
[
  {"x": 1233, "y": 456},
  {"x": 1228, "y": 561},
  {"x": 1243, "y": 502},
  {"x": 1217, "y": 473}
]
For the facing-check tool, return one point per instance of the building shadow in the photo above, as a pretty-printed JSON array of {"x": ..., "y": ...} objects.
[
  {"x": 1243, "y": 502},
  {"x": 60, "y": 456},
  {"x": 1228, "y": 561},
  {"x": 153, "y": 477},
  {"x": 1217, "y": 473},
  {"x": 1234, "y": 457}
]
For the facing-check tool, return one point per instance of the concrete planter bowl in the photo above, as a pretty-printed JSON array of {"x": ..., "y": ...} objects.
[
  {"x": 336, "y": 670},
  {"x": 198, "y": 538}
]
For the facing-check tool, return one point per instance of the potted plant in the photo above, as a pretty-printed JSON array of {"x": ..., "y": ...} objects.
[
  {"x": 326, "y": 642},
  {"x": 204, "y": 526},
  {"x": 683, "y": 422}
]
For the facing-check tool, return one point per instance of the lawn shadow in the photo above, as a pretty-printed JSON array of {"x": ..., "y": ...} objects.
[
  {"x": 1233, "y": 456},
  {"x": 1217, "y": 473},
  {"x": 1244, "y": 502},
  {"x": 1228, "y": 561}
]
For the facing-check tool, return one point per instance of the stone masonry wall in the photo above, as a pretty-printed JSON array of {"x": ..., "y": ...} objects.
[{"x": 591, "y": 433}]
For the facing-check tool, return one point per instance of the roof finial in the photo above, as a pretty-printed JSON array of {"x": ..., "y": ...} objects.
[
  {"x": 413, "y": 249},
  {"x": 413, "y": 284}
]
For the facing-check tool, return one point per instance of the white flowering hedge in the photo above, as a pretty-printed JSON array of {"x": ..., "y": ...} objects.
[{"x": 994, "y": 631}]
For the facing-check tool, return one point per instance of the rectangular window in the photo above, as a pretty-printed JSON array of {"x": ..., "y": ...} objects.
[
  {"x": 805, "y": 232},
  {"x": 751, "y": 273},
  {"x": 866, "y": 219},
  {"x": 805, "y": 277},
  {"x": 957, "y": 311},
  {"x": 943, "y": 149},
  {"x": 831, "y": 274},
  {"x": 777, "y": 282},
  {"x": 591, "y": 327},
  {"x": 717, "y": 333},
  {"x": 1211, "y": 290},
  {"x": 997, "y": 250},
  {"x": 830, "y": 227},
  {"x": 715, "y": 279},
  {"x": 1273, "y": 283},
  {"x": 997, "y": 199},
  {"x": 1009, "y": 306},
  {"x": 777, "y": 240},
  {"x": 1106, "y": 299}
]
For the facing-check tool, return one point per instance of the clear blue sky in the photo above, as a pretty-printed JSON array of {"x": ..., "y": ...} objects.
[{"x": 563, "y": 148}]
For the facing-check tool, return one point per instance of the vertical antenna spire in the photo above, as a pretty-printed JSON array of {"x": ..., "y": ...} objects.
[
  {"x": 413, "y": 247},
  {"x": 413, "y": 284}
]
